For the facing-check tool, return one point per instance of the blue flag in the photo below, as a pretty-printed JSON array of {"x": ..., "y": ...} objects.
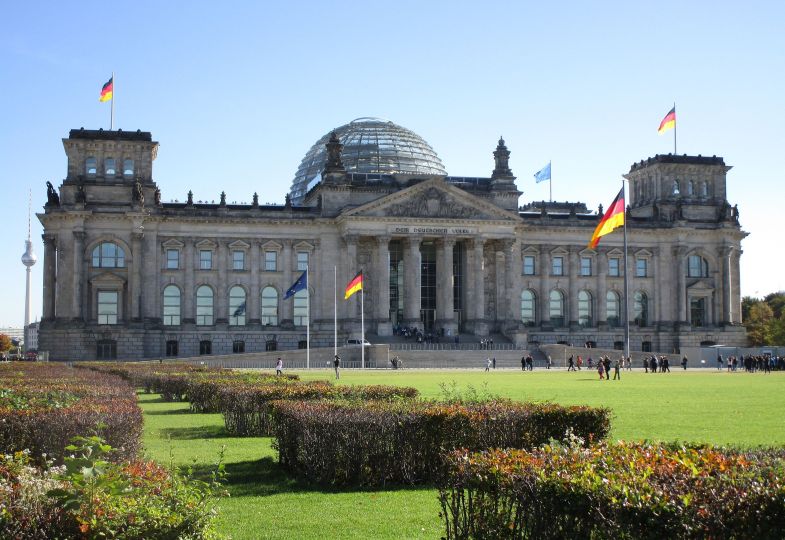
[
  {"x": 543, "y": 174},
  {"x": 239, "y": 311},
  {"x": 299, "y": 285}
]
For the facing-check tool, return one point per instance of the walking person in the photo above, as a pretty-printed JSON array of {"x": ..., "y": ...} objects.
[
  {"x": 607, "y": 365},
  {"x": 684, "y": 362},
  {"x": 523, "y": 363},
  {"x": 601, "y": 370},
  {"x": 488, "y": 364},
  {"x": 548, "y": 365},
  {"x": 279, "y": 367},
  {"x": 571, "y": 364},
  {"x": 494, "y": 362},
  {"x": 337, "y": 365},
  {"x": 617, "y": 370}
]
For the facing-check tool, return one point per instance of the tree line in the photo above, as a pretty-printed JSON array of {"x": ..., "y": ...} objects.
[{"x": 764, "y": 319}]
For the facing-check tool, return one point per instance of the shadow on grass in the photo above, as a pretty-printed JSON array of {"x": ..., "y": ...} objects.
[
  {"x": 185, "y": 410},
  {"x": 196, "y": 432},
  {"x": 265, "y": 477}
]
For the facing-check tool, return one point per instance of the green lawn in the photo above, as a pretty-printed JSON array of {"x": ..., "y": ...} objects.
[{"x": 737, "y": 409}]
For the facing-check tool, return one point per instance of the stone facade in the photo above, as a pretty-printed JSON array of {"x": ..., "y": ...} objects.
[{"x": 127, "y": 276}]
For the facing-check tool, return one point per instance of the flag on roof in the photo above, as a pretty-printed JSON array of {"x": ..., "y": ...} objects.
[
  {"x": 107, "y": 90},
  {"x": 669, "y": 122},
  {"x": 543, "y": 174}
]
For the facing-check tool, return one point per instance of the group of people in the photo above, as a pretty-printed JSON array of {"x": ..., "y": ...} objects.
[
  {"x": 660, "y": 364},
  {"x": 752, "y": 363},
  {"x": 604, "y": 368}
]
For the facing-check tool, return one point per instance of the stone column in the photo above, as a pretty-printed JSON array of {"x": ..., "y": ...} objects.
[
  {"x": 477, "y": 312},
  {"x": 78, "y": 276},
  {"x": 655, "y": 291},
  {"x": 135, "y": 274},
  {"x": 189, "y": 290},
  {"x": 445, "y": 303},
  {"x": 352, "y": 305},
  {"x": 253, "y": 311},
  {"x": 512, "y": 294},
  {"x": 412, "y": 281},
  {"x": 222, "y": 294},
  {"x": 152, "y": 288},
  {"x": 287, "y": 306},
  {"x": 726, "y": 253},
  {"x": 383, "y": 326},
  {"x": 50, "y": 277}
]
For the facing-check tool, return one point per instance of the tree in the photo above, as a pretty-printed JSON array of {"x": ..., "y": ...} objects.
[
  {"x": 5, "y": 343},
  {"x": 758, "y": 324},
  {"x": 776, "y": 302},
  {"x": 746, "y": 303}
]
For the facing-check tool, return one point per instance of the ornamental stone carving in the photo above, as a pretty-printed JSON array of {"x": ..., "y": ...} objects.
[{"x": 432, "y": 204}]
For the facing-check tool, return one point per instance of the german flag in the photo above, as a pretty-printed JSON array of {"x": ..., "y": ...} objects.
[
  {"x": 669, "y": 122},
  {"x": 107, "y": 90},
  {"x": 613, "y": 218},
  {"x": 356, "y": 284}
]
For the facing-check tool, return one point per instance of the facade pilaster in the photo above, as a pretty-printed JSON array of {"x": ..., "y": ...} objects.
[
  {"x": 681, "y": 286},
  {"x": 287, "y": 264},
  {"x": 189, "y": 292},
  {"x": 572, "y": 295},
  {"x": 50, "y": 277},
  {"x": 445, "y": 303},
  {"x": 78, "y": 274},
  {"x": 543, "y": 302},
  {"x": 135, "y": 275},
  {"x": 512, "y": 280},
  {"x": 600, "y": 303},
  {"x": 253, "y": 313},
  {"x": 726, "y": 254},
  {"x": 477, "y": 309},
  {"x": 152, "y": 288}
]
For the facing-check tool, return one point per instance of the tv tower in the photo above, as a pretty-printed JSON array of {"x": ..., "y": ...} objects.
[{"x": 28, "y": 259}]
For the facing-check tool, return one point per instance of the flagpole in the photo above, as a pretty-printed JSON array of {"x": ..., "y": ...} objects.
[
  {"x": 362, "y": 326},
  {"x": 626, "y": 284},
  {"x": 335, "y": 311},
  {"x": 550, "y": 183},
  {"x": 308, "y": 321},
  {"x": 674, "y": 129},
  {"x": 111, "y": 108}
]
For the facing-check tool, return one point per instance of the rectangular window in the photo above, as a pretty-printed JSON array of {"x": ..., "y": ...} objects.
[
  {"x": 238, "y": 347},
  {"x": 205, "y": 259},
  {"x": 106, "y": 349},
  {"x": 614, "y": 267},
  {"x": 270, "y": 261},
  {"x": 557, "y": 266},
  {"x": 205, "y": 347},
  {"x": 107, "y": 307},
  {"x": 172, "y": 347},
  {"x": 641, "y": 267},
  {"x": 302, "y": 260},
  {"x": 238, "y": 260},
  {"x": 172, "y": 259},
  {"x": 528, "y": 265},
  {"x": 585, "y": 266}
]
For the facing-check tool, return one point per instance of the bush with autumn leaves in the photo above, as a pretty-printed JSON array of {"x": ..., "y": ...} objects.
[{"x": 614, "y": 490}]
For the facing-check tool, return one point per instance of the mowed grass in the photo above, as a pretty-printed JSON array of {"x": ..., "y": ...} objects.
[{"x": 736, "y": 409}]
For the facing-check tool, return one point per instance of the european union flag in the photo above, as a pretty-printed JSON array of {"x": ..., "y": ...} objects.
[
  {"x": 299, "y": 285},
  {"x": 239, "y": 311},
  {"x": 543, "y": 174}
]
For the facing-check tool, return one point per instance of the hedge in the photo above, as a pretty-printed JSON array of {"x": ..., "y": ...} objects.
[
  {"x": 43, "y": 406},
  {"x": 609, "y": 491},
  {"x": 247, "y": 409},
  {"x": 378, "y": 443}
]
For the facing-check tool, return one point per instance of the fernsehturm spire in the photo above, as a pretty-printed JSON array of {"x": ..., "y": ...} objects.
[{"x": 28, "y": 259}]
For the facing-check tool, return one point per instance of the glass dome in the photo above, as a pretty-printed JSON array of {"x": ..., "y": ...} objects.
[{"x": 370, "y": 145}]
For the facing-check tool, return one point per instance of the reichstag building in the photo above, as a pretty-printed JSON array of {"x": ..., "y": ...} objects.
[{"x": 129, "y": 276}]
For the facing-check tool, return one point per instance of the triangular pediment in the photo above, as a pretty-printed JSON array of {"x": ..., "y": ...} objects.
[
  {"x": 239, "y": 244},
  {"x": 433, "y": 199},
  {"x": 272, "y": 245},
  {"x": 172, "y": 243},
  {"x": 700, "y": 286}
]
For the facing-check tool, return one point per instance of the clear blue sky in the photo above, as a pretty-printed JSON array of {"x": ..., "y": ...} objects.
[{"x": 237, "y": 92}]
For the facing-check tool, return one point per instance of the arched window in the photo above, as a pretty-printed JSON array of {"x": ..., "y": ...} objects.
[
  {"x": 640, "y": 308},
  {"x": 110, "y": 166},
  {"x": 108, "y": 255},
  {"x": 128, "y": 168},
  {"x": 204, "y": 306},
  {"x": 613, "y": 308},
  {"x": 556, "y": 308},
  {"x": 91, "y": 166},
  {"x": 585, "y": 317},
  {"x": 237, "y": 306},
  {"x": 301, "y": 308},
  {"x": 171, "y": 305},
  {"x": 697, "y": 266},
  {"x": 690, "y": 188},
  {"x": 528, "y": 307},
  {"x": 704, "y": 189},
  {"x": 270, "y": 306},
  {"x": 676, "y": 189}
]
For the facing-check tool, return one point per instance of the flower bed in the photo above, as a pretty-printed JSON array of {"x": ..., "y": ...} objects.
[
  {"x": 377, "y": 443},
  {"x": 623, "y": 490}
]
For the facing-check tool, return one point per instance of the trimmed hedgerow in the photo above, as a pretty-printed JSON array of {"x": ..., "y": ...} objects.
[
  {"x": 247, "y": 409},
  {"x": 378, "y": 443},
  {"x": 90, "y": 498},
  {"x": 43, "y": 406},
  {"x": 608, "y": 491}
]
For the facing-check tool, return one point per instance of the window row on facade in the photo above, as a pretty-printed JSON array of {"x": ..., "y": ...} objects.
[
  {"x": 697, "y": 266},
  {"x": 110, "y": 167},
  {"x": 534, "y": 311}
]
